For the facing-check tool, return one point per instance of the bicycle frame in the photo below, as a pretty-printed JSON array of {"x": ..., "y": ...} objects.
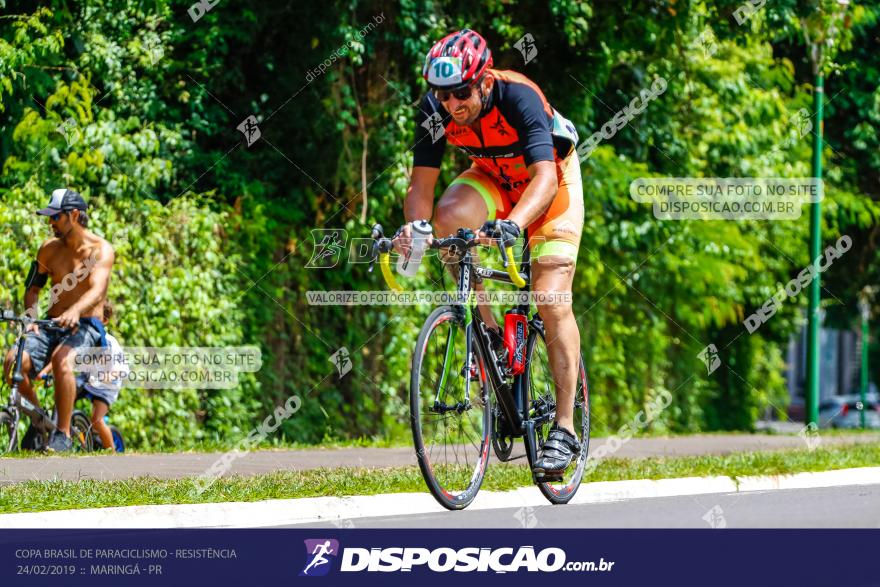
[
  {"x": 511, "y": 397},
  {"x": 17, "y": 403}
]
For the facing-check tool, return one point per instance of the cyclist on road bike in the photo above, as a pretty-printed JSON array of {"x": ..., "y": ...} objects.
[
  {"x": 525, "y": 174},
  {"x": 78, "y": 262}
]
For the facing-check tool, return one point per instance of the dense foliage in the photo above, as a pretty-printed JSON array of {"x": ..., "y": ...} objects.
[{"x": 136, "y": 105}]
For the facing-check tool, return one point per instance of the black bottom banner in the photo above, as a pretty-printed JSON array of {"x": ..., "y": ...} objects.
[{"x": 397, "y": 557}]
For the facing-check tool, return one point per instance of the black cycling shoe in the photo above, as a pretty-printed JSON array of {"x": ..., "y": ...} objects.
[{"x": 560, "y": 448}]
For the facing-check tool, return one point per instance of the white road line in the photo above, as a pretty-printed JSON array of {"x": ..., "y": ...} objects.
[{"x": 329, "y": 509}]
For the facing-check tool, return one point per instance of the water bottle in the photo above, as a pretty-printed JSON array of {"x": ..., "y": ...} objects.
[
  {"x": 409, "y": 265},
  {"x": 516, "y": 327}
]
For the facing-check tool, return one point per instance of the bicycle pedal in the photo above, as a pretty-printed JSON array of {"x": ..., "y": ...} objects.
[{"x": 543, "y": 476}]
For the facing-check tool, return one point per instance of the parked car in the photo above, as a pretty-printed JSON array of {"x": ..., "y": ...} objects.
[{"x": 844, "y": 411}]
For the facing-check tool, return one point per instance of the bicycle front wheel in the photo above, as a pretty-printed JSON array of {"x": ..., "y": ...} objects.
[
  {"x": 542, "y": 409},
  {"x": 8, "y": 433},
  {"x": 33, "y": 439},
  {"x": 449, "y": 410}
]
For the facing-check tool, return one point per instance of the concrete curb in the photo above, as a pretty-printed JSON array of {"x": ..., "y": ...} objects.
[{"x": 337, "y": 510}]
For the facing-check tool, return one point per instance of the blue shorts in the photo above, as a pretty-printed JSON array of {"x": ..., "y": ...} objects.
[{"x": 40, "y": 345}]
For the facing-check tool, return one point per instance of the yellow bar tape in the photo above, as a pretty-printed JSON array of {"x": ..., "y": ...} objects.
[
  {"x": 385, "y": 264},
  {"x": 517, "y": 279}
]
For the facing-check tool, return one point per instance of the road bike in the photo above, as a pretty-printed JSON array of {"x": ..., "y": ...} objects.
[
  {"x": 42, "y": 422},
  {"x": 466, "y": 392}
]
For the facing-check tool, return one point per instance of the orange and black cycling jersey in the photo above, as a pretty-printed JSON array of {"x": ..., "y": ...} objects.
[{"x": 518, "y": 126}]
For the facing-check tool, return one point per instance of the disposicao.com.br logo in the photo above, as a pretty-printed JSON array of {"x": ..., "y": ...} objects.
[{"x": 444, "y": 559}]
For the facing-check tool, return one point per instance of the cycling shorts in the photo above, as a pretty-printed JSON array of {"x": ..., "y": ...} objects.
[
  {"x": 558, "y": 230},
  {"x": 40, "y": 345}
]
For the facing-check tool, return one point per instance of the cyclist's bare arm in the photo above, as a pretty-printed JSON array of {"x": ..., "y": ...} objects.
[
  {"x": 538, "y": 195},
  {"x": 536, "y": 198},
  {"x": 419, "y": 202},
  {"x": 31, "y": 299},
  {"x": 32, "y": 293}
]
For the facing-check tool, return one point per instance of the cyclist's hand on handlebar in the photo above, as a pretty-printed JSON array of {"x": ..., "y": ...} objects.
[
  {"x": 403, "y": 239},
  {"x": 69, "y": 319},
  {"x": 505, "y": 231},
  {"x": 32, "y": 328}
]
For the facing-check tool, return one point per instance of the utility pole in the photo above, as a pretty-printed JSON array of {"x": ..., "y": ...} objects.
[
  {"x": 816, "y": 40},
  {"x": 865, "y": 314},
  {"x": 813, "y": 316}
]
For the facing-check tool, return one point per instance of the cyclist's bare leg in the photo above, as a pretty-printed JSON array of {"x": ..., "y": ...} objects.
[
  {"x": 24, "y": 388},
  {"x": 99, "y": 410},
  {"x": 65, "y": 386},
  {"x": 555, "y": 274},
  {"x": 461, "y": 206}
]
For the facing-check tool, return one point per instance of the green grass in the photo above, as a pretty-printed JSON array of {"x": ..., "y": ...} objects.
[
  {"x": 219, "y": 447},
  {"x": 406, "y": 442},
  {"x": 57, "y": 495}
]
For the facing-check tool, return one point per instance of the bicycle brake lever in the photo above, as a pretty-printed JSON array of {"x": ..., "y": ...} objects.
[
  {"x": 375, "y": 250},
  {"x": 504, "y": 260}
]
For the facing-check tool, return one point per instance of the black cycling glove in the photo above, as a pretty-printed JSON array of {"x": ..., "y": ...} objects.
[{"x": 507, "y": 231}]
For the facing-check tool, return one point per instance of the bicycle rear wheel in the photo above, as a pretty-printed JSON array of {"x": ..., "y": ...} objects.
[
  {"x": 80, "y": 432},
  {"x": 118, "y": 441},
  {"x": 8, "y": 433},
  {"x": 450, "y": 410},
  {"x": 542, "y": 409}
]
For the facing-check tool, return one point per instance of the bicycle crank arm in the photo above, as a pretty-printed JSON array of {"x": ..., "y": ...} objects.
[{"x": 531, "y": 446}]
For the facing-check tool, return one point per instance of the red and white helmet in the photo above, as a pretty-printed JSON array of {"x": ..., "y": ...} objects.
[{"x": 457, "y": 60}]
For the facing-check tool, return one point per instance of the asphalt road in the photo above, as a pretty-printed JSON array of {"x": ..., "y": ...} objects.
[
  {"x": 176, "y": 465},
  {"x": 855, "y": 506}
]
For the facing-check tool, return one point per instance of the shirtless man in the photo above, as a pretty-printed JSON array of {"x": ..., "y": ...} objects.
[{"x": 78, "y": 262}]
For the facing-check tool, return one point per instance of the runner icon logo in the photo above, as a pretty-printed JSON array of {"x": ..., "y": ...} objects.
[{"x": 318, "y": 551}]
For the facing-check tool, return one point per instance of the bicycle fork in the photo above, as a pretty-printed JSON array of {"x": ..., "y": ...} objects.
[{"x": 38, "y": 416}]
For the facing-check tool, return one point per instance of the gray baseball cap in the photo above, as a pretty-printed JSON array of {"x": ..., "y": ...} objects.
[{"x": 63, "y": 200}]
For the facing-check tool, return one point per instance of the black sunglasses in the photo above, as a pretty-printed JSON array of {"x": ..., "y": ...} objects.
[
  {"x": 462, "y": 94},
  {"x": 55, "y": 217}
]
